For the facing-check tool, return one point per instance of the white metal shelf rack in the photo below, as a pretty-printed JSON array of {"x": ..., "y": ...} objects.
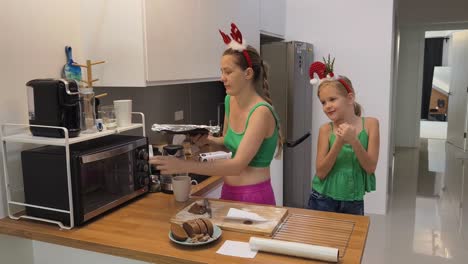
[{"x": 27, "y": 137}]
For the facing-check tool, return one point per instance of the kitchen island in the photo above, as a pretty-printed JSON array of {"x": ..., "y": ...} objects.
[{"x": 139, "y": 230}]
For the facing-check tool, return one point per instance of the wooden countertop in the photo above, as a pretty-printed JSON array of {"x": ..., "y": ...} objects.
[
  {"x": 207, "y": 185},
  {"x": 140, "y": 229}
]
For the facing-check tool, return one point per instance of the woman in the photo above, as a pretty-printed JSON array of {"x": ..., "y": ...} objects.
[{"x": 251, "y": 129}]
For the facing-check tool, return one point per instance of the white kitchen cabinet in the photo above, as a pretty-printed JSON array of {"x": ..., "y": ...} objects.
[
  {"x": 151, "y": 42},
  {"x": 113, "y": 31},
  {"x": 453, "y": 202},
  {"x": 458, "y": 97},
  {"x": 464, "y": 201},
  {"x": 183, "y": 42},
  {"x": 273, "y": 17},
  {"x": 453, "y": 179}
]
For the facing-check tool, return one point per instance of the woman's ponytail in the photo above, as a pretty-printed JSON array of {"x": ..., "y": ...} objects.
[{"x": 266, "y": 96}]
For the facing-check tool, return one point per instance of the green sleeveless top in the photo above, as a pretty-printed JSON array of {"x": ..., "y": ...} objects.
[
  {"x": 347, "y": 180},
  {"x": 266, "y": 151}
]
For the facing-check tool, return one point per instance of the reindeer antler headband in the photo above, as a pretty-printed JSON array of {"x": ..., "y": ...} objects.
[
  {"x": 324, "y": 70},
  {"x": 237, "y": 42}
]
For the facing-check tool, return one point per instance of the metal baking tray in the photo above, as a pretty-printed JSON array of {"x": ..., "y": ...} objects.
[{"x": 185, "y": 129}]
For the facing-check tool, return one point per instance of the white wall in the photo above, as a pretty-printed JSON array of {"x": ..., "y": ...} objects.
[
  {"x": 409, "y": 86},
  {"x": 360, "y": 36},
  {"x": 423, "y": 12},
  {"x": 446, "y": 51},
  {"x": 33, "y": 37}
]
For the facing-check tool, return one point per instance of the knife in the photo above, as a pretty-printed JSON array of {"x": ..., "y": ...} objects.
[{"x": 208, "y": 207}]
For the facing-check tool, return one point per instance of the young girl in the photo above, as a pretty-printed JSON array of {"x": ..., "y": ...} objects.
[
  {"x": 251, "y": 129},
  {"x": 347, "y": 152}
]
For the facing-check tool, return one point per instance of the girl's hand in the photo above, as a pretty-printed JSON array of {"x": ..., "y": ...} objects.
[
  {"x": 200, "y": 140},
  {"x": 339, "y": 137},
  {"x": 168, "y": 165},
  {"x": 347, "y": 132}
]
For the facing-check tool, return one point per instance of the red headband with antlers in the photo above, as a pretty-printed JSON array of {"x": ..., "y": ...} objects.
[
  {"x": 325, "y": 72},
  {"x": 237, "y": 42}
]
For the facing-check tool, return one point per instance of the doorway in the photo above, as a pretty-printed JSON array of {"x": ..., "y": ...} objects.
[
  {"x": 444, "y": 87},
  {"x": 435, "y": 85}
]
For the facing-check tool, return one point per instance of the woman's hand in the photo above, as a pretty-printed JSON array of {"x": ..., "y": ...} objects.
[
  {"x": 200, "y": 140},
  {"x": 347, "y": 132},
  {"x": 168, "y": 165}
]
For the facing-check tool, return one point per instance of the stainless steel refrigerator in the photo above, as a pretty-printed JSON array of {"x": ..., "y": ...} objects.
[{"x": 292, "y": 97}]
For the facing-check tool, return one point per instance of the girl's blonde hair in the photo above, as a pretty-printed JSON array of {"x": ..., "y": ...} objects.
[{"x": 341, "y": 90}]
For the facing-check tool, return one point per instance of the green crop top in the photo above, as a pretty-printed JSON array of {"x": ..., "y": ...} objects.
[
  {"x": 347, "y": 180},
  {"x": 266, "y": 151}
]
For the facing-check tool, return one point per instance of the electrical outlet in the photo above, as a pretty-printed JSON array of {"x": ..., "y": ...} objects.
[{"x": 178, "y": 115}]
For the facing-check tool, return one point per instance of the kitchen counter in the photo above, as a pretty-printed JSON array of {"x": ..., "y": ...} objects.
[
  {"x": 207, "y": 185},
  {"x": 140, "y": 229}
]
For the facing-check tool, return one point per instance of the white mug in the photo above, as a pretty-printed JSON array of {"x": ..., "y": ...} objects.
[
  {"x": 123, "y": 112},
  {"x": 181, "y": 185}
]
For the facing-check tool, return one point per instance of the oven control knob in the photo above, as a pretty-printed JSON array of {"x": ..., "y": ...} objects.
[
  {"x": 143, "y": 166},
  {"x": 143, "y": 154},
  {"x": 144, "y": 181}
]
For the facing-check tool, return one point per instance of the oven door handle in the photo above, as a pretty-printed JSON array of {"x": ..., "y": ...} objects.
[{"x": 107, "y": 154}]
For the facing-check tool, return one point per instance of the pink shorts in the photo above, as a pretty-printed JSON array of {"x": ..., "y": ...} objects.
[{"x": 261, "y": 193}]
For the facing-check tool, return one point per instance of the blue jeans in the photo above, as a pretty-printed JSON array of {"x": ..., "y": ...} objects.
[{"x": 321, "y": 202}]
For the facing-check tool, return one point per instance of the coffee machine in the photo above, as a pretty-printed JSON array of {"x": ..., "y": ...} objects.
[
  {"x": 176, "y": 151},
  {"x": 54, "y": 102}
]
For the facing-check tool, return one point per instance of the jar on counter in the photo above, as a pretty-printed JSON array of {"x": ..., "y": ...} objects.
[
  {"x": 88, "y": 114},
  {"x": 155, "y": 184}
]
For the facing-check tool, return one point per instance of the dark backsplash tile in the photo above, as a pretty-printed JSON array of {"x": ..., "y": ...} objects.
[
  {"x": 198, "y": 101},
  {"x": 204, "y": 100}
]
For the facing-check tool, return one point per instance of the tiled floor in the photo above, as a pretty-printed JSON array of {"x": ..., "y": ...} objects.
[{"x": 426, "y": 219}]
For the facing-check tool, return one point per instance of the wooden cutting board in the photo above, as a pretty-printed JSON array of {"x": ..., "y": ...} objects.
[{"x": 275, "y": 216}]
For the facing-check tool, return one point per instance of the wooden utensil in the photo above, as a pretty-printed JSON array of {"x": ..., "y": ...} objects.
[
  {"x": 100, "y": 95},
  {"x": 89, "y": 72}
]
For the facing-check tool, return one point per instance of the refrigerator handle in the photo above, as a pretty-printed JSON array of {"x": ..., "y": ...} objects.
[{"x": 292, "y": 144}]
